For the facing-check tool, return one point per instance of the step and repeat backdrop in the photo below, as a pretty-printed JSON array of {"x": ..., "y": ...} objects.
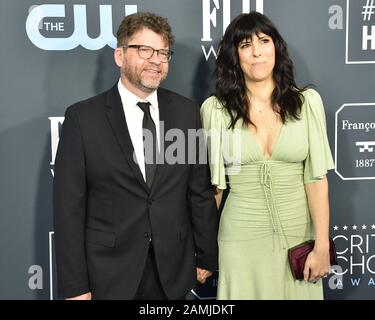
[{"x": 54, "y": 53}]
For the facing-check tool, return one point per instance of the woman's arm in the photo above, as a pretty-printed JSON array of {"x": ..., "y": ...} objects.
[{"x": 317, "y": 263}]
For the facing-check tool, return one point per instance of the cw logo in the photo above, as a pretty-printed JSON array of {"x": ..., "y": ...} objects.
[{"x": 79, "y": 36}]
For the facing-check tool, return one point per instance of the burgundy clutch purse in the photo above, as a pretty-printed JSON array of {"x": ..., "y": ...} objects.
[{"x": 297, "y": 257}]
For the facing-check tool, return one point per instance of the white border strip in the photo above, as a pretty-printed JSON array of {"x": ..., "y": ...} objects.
[
  {"x": 50, "y": 265},
  {"x": 201, "y": 298}
]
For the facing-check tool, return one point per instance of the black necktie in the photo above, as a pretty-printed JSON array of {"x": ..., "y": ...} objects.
[{"x": 149, "y": 142}]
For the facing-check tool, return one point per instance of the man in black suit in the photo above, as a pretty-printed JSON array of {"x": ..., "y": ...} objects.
[{"x": 126, "y": 228}]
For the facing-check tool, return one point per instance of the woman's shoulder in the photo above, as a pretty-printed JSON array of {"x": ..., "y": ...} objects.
[
  {"x": 212, "y": 102},
  {"x": 213, "y": 112},
  {"x": 213, "y": 106},
  {"x": 313, "y": 108},
  {"x": 311, "y": 95}
]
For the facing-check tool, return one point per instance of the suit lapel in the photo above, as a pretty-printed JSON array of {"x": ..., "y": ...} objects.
[
  {"x": 167, "y": 122},
  {"x": 116, "y": 118}
]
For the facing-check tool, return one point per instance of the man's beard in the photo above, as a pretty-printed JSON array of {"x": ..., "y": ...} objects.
[{"x": 136, "y": 80}]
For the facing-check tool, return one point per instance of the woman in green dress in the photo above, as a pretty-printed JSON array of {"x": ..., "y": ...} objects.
[{"x": 268, "y": 136}]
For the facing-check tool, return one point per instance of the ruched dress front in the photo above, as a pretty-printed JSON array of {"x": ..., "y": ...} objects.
[{"x": 266, "y": 211}]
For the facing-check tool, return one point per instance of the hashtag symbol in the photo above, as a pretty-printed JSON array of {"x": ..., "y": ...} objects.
[{"x": 369, "y": 10}]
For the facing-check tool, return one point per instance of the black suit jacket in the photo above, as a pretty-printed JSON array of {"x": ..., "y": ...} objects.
[{"x": 105, "y": 214}]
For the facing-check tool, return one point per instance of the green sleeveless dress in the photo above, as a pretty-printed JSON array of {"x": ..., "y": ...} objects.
[{"x": 266, "y": 211}]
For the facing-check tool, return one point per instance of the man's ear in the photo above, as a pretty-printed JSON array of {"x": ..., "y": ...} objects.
[{"x": 119, "y": 56}]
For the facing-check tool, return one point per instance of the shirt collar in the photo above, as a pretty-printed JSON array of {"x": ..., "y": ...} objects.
[{"x": 128, "y": 98}]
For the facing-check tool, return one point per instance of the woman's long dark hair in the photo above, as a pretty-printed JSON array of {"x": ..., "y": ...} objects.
[{"x": 230, "y": 83}]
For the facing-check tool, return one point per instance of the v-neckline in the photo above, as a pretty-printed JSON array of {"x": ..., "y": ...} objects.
[{"x": 274, "y": 147}]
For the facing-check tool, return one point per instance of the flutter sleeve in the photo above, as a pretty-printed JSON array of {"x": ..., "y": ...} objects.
[
  {"x": 212, "y": 121},
  {"x": 319, "y": 159}
]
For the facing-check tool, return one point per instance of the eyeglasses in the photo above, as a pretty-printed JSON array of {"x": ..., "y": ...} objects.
[{"x": 146, "y": 52}]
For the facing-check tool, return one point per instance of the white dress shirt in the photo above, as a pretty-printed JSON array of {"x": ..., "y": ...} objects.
[{"x": 134, "y": 118}]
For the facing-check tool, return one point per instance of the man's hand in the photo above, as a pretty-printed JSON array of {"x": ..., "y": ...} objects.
[
  {"x": 85, "y": 296},
  {"x": 203, "y": 274}
]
